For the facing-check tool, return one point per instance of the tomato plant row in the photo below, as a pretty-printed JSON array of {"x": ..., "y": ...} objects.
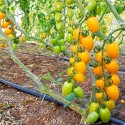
[{"x": 79, "y": 30}]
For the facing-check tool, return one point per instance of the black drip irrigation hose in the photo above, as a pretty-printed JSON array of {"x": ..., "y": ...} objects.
[{"x": 48, "y": 98}]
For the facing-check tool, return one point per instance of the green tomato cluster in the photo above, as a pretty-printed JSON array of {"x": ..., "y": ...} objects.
[{"x": 70, "y": 91}]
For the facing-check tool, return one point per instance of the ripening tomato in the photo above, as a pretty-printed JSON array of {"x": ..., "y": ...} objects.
[
  {"x": 75, "y": 33},
  {"x": 80, "y": 67},
  {"x": 115, "y": 79},
  {"x": 98, "y": 56},
  {"x": 84, "y": 56},
  {"x": 100, "y": 83},
  {"x": 74, "y": 48},
  {"x": 70, "y": 71},
  {"x": 79, "y": 92},
  {"x": 58, "y": 17},
  {"x": 8, "y": 31},
  {"x": 79, "y": 77},
  {"x": 1, "y": 15},
  {"x": 93, "y": 106},
  {"x": 112, "y": 67},
  {"x": 99, "y": 95},
  {"x": 104, "y": 114},
  {"x": 72, "y": 60},
  {"x": 11, "y": 36},
  {"x": 58, "y": 6},
  {"x": 93, "y": 24},
  {"x": 87, "y": 42},
  {"x": 113, "y": 92},
  {"x": 67, "y": 88},
  {"x": 112, "y": 50},
  {"x": 110, "y": 104},
  {"x": 97, "y": 70}
]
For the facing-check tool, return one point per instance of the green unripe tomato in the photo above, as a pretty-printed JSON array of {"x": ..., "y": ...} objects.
[
  {"x": 92, "y": 117},
  {"x": 59, "y": 26},
  {"x": 70, "y": 13},
  {"x": 70, "y": 30},
  {"x": 14, "y": 46},
  {"x": 58, "y": 6},
  {"x": 78, "y": 91},
  {"x": 93, "y": 107},
  {"x": 104, "y": 114},
  {"x": 98, "y": 8},
  {"x": 61, "y": 34},
  {"x": 69, "y": 38},
  {"x": 69, "y": 2},
  {"x": 63, "y": 48},
  {"x": 54, "y": 41},
  {"x": 67, "y": 88},
  {"x": 58, "y": 17},
  {"x": 70, "y": 97},
  {"x": 91, "y": 5},
  {"x": 57, "y": 49}
]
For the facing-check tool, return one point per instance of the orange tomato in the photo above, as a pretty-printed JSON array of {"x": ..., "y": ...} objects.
[
  {"x": 110, "y": 104},
  {"x": 79, "y": 77},
  {"x": 72, "y": 60},
  {"x": 8, "y": 31},
  {"x": 75, "y": 33},
  {"x": 80, "y": 67},
  {"x": 112, "y": 67},
  {"x": 100, "y": 83},
  {"x": 112, "y": 50},
  {"x": 1, "y": 15},
  {"x": 113, "y": 92},
  {"x": 87, "y": 42},
  {"x": 70, "y": 71},
  {"x": 115, "y": 79},
  {"x": 99, "y": 95},
  {"x": 84, "y": 56},
  {"x": 93, "y": 24},
  {"x": 5, "y": 24},
  {"x": 97, "y": 70},
  {"x": 98, "y": 56}
]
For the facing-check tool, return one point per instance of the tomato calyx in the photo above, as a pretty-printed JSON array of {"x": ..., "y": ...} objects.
[
  {"x": 97, "y": 49},
  {"x": 95, "y": 64},
  {"x": 98, "y": 77},
  {"x": 85, "y": 33},
  {"x": 107, "y": 76},
  {"x": 103, "y": 106},
  {"x": 77, "y": 59},
  {"x": 74, "y": 42},
  {"x": 81, "y": 49},
  {"x": 107, "y": 60}
]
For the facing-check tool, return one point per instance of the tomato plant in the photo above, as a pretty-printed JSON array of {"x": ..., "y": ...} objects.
[{"x": 84, "y": 32}]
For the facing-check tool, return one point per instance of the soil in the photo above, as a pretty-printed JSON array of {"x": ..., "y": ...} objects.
[{"x": 19, "y": 108}]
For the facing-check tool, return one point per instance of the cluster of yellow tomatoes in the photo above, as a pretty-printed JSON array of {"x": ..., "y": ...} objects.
[
  {"x": 6, "y": 26},
  {"x": 80, "y": 50},
  {"x": 107, "y": 86}
]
